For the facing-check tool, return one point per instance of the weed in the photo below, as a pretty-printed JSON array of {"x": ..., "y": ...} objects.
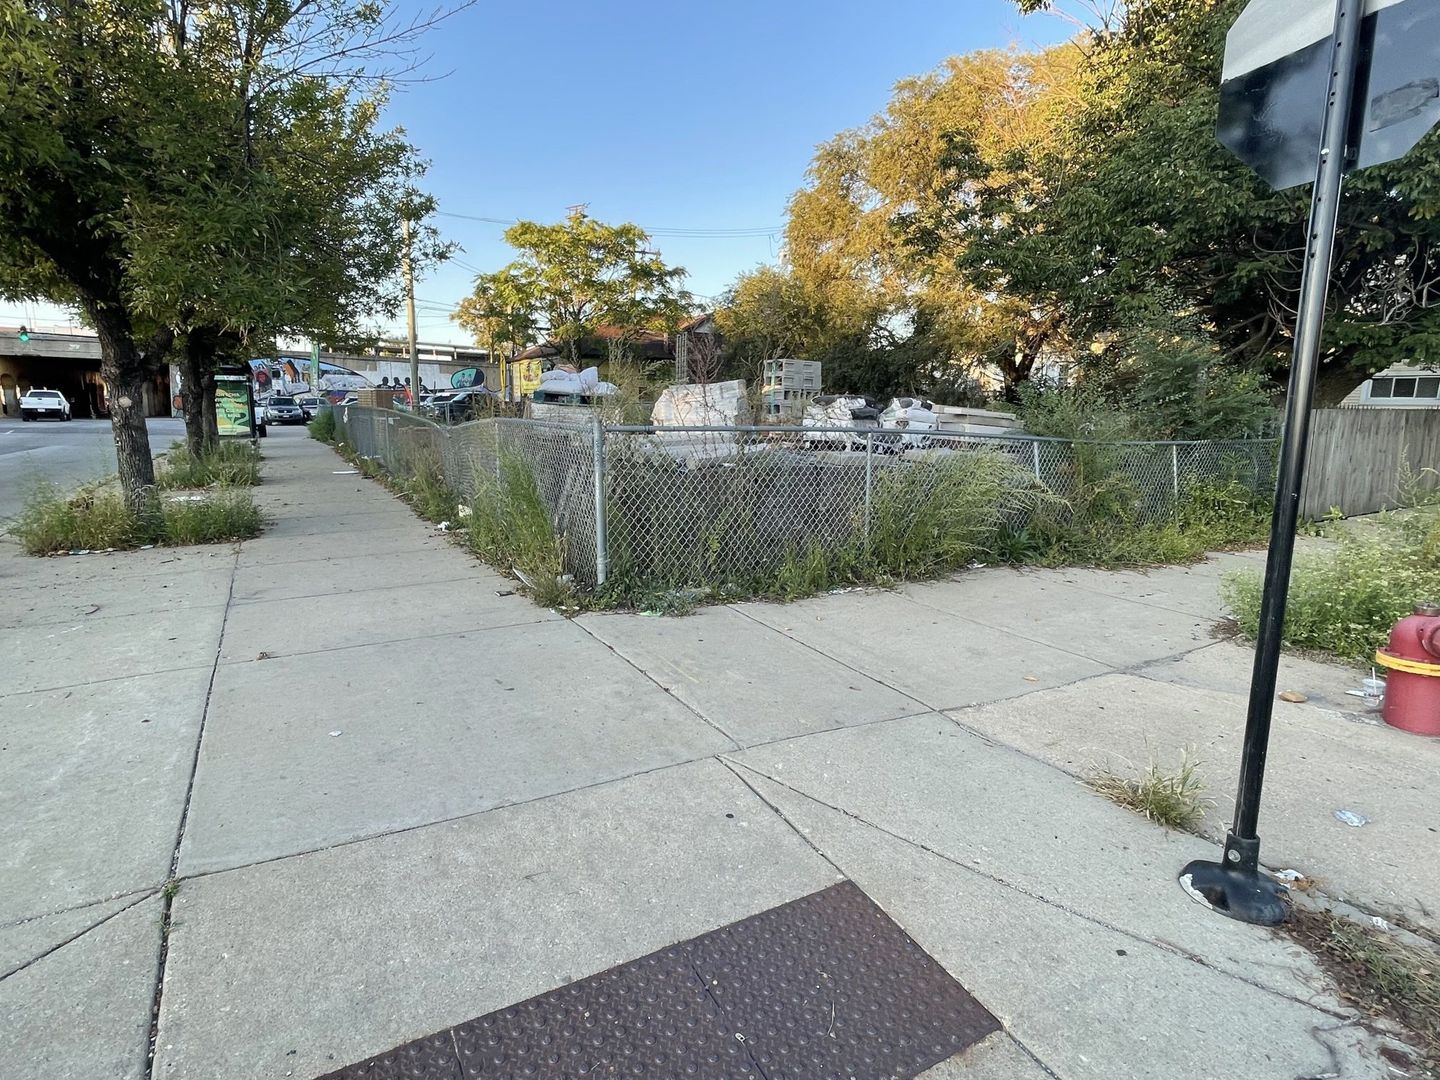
[
  {"x": 427, "y": 491},
  {"x": 215, "y": 519},
  {"x": 1344, "y": 600},
  {"x": 1173, "y": 799},
  {"x": 222, "y": 464},
  {"x": 95, "y": 521},
  {"x": 323, "y": 427},
  {"x": 1379, "y": 973},
  {"x": 510, "y": 528}
]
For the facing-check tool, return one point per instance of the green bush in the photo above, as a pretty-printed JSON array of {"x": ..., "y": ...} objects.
[
  {"x": 323, "y": 426},
  {"x": 222, "y": 464},
  {"x": 1345, "y": 600},
  {"x": 96, "y": 521}
]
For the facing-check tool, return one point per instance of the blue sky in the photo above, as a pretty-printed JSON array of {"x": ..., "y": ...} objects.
[{"x": 682, "y": 116}]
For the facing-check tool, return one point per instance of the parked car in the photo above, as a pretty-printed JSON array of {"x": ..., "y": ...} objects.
[
  {"x": 460, "y": 406},
  {"x": 41, "y": 403},
  {"x": 283, "y": 410},
  {"x": 309, "y": 405}
]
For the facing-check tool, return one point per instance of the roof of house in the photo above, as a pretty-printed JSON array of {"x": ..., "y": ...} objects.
[{"x": 650, "y": 344}]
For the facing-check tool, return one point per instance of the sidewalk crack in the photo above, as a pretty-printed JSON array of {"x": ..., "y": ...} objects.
[{"x": 77, "y": 935}]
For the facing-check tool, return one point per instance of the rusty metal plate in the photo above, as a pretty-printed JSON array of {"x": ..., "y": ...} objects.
[
  {"x": 430, "y": 1058},
  {"x": 827, "y": 986}
]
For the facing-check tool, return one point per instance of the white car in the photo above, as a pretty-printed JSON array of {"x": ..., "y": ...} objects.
[{"x": 38, "y": 403}]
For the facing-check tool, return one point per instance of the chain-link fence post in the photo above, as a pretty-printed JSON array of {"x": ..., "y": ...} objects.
[
  {"x": 601, "y": 545},
  {"x": 1175, "y": 475},
  {"x": 869, "y": 481},
  {"x": 1035, "y": 454}
]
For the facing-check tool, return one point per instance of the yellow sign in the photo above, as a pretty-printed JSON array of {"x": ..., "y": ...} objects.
[
  {"x": 527, "y": 375},
  {"x": 232, "y": 405}
]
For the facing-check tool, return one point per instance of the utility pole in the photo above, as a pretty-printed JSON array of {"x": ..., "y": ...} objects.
[{"x": 408, "y": 270}]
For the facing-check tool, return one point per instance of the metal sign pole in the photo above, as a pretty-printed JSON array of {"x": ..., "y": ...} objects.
[{"x": 1235, "y": 886}]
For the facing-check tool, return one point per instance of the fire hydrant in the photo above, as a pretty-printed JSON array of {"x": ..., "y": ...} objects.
[{"x": 1412, "y": 687}]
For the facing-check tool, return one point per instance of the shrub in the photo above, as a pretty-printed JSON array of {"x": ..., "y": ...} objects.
[
  {"x": 95, "y": 521},
  {"x": 221, "y": 464},
  {"x": 1345, "y": 600},
  {"x": 323, "y": 426}
]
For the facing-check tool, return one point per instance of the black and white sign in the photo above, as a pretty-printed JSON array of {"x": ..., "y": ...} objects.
[{"x": 1276, "y": 72}]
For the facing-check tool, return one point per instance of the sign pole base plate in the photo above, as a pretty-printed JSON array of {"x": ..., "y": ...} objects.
[{"x": 1237, "y": 893}]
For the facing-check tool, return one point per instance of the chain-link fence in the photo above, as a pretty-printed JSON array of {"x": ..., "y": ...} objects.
[{"x": 682, "y": 507}]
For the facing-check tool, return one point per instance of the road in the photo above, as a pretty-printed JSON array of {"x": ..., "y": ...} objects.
[{"x": 66, "y": 455}]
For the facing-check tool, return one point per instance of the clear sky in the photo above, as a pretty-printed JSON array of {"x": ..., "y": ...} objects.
[{"x": 674, "y": 115}]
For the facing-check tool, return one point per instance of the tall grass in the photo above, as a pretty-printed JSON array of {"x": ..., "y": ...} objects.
[
  {"x": 323, "y": 427},
  {"x": 52, "y": 523},
  {"x": 221, "y": 464},
  {"x": 509, "y": 527}
]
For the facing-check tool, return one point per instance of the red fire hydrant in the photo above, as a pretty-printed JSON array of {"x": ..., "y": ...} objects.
[{"x": 1412, "y": 687}]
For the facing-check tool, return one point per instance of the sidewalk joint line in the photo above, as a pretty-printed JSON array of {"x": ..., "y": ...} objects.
[
  {"x": 1159, "y": 945},
  {"x": 23, "y": 919},
  {"x": 734, "y": 742},
  {"x": 393, "y": 641},
  {"x": 171, "y": 885},
  {"x": 77, "y": 935},
  {"x": 110, "y": 679}
]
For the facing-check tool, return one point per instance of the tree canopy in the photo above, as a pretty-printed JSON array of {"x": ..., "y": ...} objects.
[{"x": 572, "y": 278}]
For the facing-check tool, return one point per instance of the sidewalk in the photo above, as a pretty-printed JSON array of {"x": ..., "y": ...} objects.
[{"x": 393, "y": 797}]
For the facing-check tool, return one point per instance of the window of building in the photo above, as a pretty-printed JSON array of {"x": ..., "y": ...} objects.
[{"x": 1408, "y": 388}]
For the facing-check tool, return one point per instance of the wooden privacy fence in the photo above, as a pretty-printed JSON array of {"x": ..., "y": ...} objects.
[{"x": 1357, "y": 458}]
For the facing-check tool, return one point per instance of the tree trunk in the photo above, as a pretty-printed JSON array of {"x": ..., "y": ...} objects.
[
  {"x": 212, "y": 426},
  {"x": 125, "y": 372},
  {"x": 197, "y": 365}
]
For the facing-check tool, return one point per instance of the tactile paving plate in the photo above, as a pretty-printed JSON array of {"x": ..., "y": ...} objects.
[{"x": 826, "y": 987}]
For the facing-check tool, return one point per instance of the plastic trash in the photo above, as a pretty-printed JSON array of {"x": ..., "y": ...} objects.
[{"x": 1351, "y": 818}]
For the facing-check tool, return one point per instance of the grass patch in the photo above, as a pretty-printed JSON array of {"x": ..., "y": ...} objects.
[
  {"x": 52, "y": 523},
  {"x": 1343, "y": 601},
  {"x": 1381, "y": 975},
  {"x": 509, "y": 527},
  {"x": 323, "y": 426},
  {"x": 1173, "y": 799},
  {"x": 222, "y": 464}
]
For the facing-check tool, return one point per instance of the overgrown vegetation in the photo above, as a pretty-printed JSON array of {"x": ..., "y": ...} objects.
[
  {"x": 1344, "y": 600},
  {"x": 322, "y": 427},
  {"x": 509, "y": 527},
  {"x": 1382, "y": 976},
  {"x": 1173, "y": 799},
  {"x": 221, "y": 464},
  {"x": 52, "y": 523}
]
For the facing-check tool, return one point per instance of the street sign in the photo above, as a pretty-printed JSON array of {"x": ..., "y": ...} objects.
[
  {"x": 1277, "y": 69},
  {"x": 1310, "y": 90}
]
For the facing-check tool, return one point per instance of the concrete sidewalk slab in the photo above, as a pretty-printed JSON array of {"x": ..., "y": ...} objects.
[
  {"x": 752, "y": 682},
  {"x": 1040, "y": 607},
  {"x": 93, "y": 788},
  {"x": 89, "y": 650},
  {"x": 23, "y": 943},
  {"x": 1015, "y": 819},
  {"x": 941, "y": 660},
  {"x": 83, "y": 1012},
  {"x": 430, "y": 729},
  {"x": 318, "y": 623},
  {"x": 106, "y": 596},
  {"x": 1085, "y": 999},
  {"x": 349, "y": 952},
  {"x": 1319, "y": 762},
  {"x": 1226, "y": 666},
  {"x": 345, "y": 574},
  {"x": 269, "y": 551},
  {"x": 998, "y": 1057},
  {"x": 1190, "y": 590},
  {"x": 154, "y": 563},
  {"x": 367, "y": 520}
]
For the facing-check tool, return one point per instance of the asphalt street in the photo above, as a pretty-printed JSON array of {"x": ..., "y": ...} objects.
[{"x": 66, "y": 455}]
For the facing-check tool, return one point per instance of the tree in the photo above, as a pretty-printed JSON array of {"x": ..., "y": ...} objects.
[
  {"x": 81, "y": 114},
  {"x": 574, "y": 277},
  {"x": 1137, "y": 197}
]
